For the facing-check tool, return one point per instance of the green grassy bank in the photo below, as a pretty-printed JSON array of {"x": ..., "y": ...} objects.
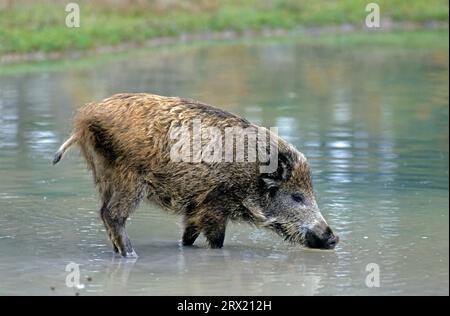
[{"x": 30, "y": 26}]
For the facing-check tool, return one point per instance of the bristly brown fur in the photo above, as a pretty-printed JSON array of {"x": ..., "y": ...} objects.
[{"x": 125, "y": 142}]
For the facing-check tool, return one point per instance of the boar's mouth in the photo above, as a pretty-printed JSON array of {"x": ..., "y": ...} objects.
[
  {"x": 321, "y": 239},
  {"x": 306, "y": 237},
  {"x": 289, "y": 232}
]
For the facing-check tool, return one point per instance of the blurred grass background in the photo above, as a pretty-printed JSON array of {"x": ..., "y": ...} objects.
[{"x": 29, "y": 26}]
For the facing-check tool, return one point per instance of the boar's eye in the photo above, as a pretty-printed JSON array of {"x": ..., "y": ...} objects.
[
  {"x": 298, "y": 197},
  {"x": 273, "y": 191}
]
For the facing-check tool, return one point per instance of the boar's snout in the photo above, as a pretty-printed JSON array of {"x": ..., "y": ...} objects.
[{"x": 318, "y": 237}]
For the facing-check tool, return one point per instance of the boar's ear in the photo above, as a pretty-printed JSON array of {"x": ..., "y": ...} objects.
[{"x": 282, "y": 174}]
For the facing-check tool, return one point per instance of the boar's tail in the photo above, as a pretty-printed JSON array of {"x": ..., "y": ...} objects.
[{"x": 67, "y": 144}]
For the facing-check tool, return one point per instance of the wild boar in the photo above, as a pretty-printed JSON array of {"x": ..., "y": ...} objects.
[{"x": 143, "y": 146}]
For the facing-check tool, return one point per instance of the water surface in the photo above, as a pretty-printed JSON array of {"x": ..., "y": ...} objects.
[{"x": 372, "y": 121}]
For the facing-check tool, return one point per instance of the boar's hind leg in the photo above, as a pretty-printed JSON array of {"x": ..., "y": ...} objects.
[
  {"x": 115, "y": 225},
  {"x": 104, "y": 215},
  {"x": 114, "y": 214}
]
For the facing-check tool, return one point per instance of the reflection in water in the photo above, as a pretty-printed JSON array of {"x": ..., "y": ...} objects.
[
  {"x": 378, "y": 150},
  {"x": 118, "y": 272},
  {"x": 237, "y": 270}
]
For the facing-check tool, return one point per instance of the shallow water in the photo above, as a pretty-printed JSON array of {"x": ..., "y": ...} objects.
[{"x": 372, "y": 121}]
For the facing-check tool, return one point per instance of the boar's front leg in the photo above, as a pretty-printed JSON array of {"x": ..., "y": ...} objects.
[
  {"x": 213, "y": 226},
  {"x": 191, "y": 231},
  {"x": 208, "y": 221}
]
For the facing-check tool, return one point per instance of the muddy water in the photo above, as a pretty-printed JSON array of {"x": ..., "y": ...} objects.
[{"x": 373, "y": 123}]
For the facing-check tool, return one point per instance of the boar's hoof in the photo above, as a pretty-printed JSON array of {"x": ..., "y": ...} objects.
[{"x": 129, "y": 255}]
